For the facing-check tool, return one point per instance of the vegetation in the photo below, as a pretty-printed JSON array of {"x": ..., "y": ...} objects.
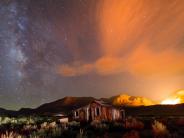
[{"x": 49, "y": 127}]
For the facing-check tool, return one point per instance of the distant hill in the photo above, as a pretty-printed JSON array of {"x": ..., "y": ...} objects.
[
  {"x": 67, "y": 104},
  {"x": 26, "y": 111},
  {"x": 63, "y": 105},
  {"x": 4, "y": 112}
]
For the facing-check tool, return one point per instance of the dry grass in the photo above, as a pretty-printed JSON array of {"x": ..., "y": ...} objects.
[
  {"x": 133, "y": 123},
  {"x": 131, "y": 134},
  {"x": 10, "y": 135},
  {"x": 159, "y": 130}
]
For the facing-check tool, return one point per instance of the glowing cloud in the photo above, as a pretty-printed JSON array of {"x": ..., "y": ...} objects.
[{"x": 137, "y": 36}]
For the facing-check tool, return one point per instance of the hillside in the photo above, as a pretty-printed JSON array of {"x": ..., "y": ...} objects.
[
  {"x": 134, "y": 106},
  {"x": 63, "y": 105},
  {"x": 4, "y": 112},
  {"x": 67, "y": 104}
]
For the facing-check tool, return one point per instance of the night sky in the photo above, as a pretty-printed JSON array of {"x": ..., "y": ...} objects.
[{"x": 55, "y": 48}]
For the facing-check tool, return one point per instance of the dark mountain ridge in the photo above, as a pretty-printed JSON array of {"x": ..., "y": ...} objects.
[
  {"x": 67, "y": 104},
  {"x": 64, "y": 105}
]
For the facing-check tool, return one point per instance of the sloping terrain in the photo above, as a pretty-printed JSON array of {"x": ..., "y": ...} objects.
[{"x": 67, "y": 104}]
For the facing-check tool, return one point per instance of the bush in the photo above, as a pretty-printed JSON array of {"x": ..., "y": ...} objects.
[
  {"x": 10, "y": 135},
  {"x": 159, "y": 130},
  {"x": 131, "y": 134},
  {"x": 99, "y": 125},
  {"x": 133, "y": 123}
]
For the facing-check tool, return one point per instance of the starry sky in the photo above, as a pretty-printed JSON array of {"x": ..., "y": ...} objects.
[{"x": 55, "y": 48}]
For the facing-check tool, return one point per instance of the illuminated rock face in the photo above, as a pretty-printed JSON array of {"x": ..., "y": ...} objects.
[
  {"x": 175, "y": 98},
  {"x": 132, "y": 101}
]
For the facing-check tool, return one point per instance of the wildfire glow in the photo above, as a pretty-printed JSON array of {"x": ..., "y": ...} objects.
[{"x": 171, "y": 101}]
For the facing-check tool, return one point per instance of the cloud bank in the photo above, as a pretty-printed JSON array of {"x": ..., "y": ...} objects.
[{"x": 138, "y": 37}]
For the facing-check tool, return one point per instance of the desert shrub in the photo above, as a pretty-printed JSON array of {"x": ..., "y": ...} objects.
[
  {"x": 10, "y": 135},
  {"x": 74, "y": 123},
  {"x": 44, "y": 125},
  {"x": 131, "y": 134},
  {"x": 52, "y": 125},
  {"x": 99, "y": 125},
  {"x": 159, "y": 130},
  {"x": 100, "y": 128},
  {"x": 29, "y": 127},
  {"x": 133, "y": 123},
  {"x": 5, "y": 120},
  {"x": 95, "y": 123}
]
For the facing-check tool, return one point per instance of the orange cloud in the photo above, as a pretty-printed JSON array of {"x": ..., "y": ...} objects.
[
  {"x": 123, "y": 24},
  {"x": 117, "y": 23},
  {"x": 137, "y": 36},
  {"x": 109, "y": 65},
  {"x": 142, "y": 62}
]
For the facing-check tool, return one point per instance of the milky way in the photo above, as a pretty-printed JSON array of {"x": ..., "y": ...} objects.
[{"x": 55, "y": 48}]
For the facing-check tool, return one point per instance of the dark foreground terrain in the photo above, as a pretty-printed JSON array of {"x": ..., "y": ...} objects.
[{"x": 132, "y": 127}]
